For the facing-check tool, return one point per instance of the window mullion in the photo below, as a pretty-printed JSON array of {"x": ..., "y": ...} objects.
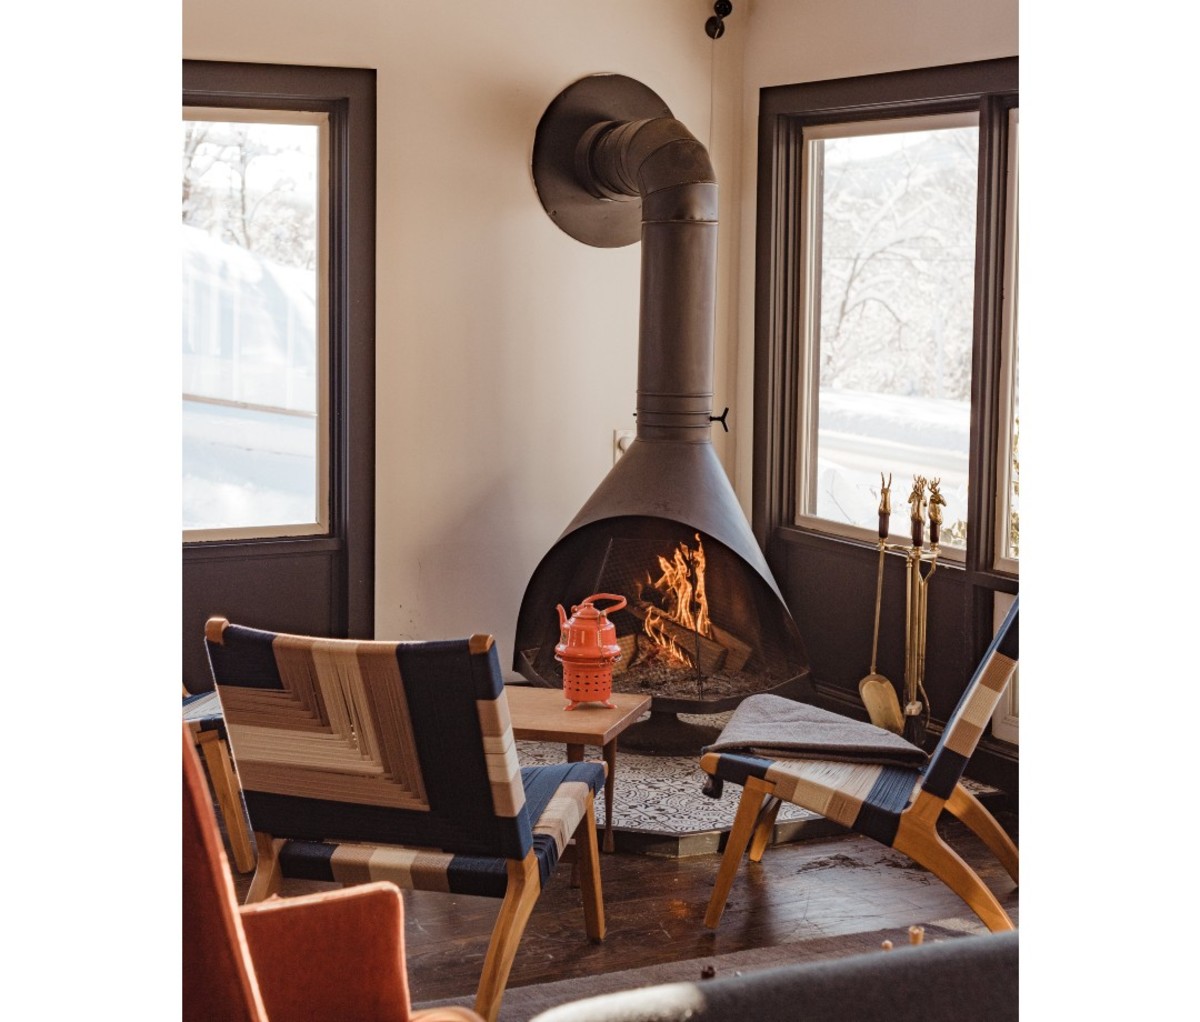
[
  {"x": 986, "y": 376},
  {"x": 811, "y": 224}
]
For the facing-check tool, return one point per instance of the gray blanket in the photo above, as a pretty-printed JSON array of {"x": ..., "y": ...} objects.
[{"x": 776, "y": 728}]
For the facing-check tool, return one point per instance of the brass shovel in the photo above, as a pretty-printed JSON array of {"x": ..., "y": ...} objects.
[{"x": 877, "y": 693}]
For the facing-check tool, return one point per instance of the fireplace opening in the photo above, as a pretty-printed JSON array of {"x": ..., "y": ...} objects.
[{"x": 701, "y": 629}]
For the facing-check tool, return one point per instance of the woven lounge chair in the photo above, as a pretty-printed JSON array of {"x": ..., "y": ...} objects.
[
  {"x": 366, "y": 761},
  {"x": 866, "y": 779}
]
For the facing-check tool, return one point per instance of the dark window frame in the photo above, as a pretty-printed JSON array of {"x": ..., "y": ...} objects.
[
  {"x": 989, "y": 87},
  {"x": 348, "y": 96}
]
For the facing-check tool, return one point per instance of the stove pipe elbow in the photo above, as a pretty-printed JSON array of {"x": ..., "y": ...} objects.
[{"x": 661, "y": 162}]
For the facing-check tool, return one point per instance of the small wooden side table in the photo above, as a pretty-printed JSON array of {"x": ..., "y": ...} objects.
[{"x": 540, "y": 715}]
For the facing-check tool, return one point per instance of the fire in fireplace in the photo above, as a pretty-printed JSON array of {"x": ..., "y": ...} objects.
[
  {"x": 696, "y": 654},
  {"x": 705, "y": 624},
  {"x": 700, "y": 630},
  {"x": 673, "y": 610}
]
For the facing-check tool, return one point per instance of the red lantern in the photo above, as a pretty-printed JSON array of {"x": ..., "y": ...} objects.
[{"x": 587, "y": 650}]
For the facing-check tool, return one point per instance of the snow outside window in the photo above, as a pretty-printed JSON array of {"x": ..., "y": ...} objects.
[
  {"x": 888, "y": 267},
  {"x": 254, "y": 329}
]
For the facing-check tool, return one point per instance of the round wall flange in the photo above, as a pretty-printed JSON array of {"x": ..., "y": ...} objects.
[{"x": 603, "y": 222}]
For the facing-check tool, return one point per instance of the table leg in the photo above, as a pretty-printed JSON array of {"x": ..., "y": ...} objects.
[
  {"x": 575, "y": 755},
  {"x": 610, "y": 758}
]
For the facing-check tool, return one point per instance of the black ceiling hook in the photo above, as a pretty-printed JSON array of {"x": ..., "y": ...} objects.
[{"x": 715, "y": 26}]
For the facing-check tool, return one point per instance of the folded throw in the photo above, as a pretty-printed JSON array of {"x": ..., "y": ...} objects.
[{"x": 773, "y": 727}]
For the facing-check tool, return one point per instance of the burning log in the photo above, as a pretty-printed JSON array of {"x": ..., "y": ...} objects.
[
  {"x": 684, "y": 640},
  {"x": 738, "y": 652}
]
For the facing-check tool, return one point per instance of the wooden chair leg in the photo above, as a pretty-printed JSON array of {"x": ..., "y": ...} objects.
[
  {"x": 739, "y": 836},
  {"x": 569, "y": 853},
  {"x": 524, "y": 886},
  {"x": 921, "y": 842},
  {"x": 267, "y": 874},
  {"x": 589, "y": 873},
  {"x": 983, "y": 825},
  {"x": 764, "y": 828},
  {"x": 229, "y": 797}
]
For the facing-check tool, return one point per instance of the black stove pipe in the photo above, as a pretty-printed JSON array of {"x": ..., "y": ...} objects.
[
  {"x": 670, "y": 471},
  {"x": 660, "y": 161}
]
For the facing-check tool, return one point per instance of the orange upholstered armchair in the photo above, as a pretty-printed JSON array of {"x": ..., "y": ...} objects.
[{"x": 331, "y": 956}]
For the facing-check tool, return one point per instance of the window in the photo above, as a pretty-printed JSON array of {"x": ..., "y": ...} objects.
[
  {"x": 886, "y": 341},
  {"x": 886, "y": 331},
  {"x": 887, "y": 264},
  {"x": 278, "y": 311},
  {"x": 255, "y": 323}
]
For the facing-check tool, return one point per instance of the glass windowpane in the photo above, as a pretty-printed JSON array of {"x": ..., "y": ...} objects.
[
  {"x": 252, "y": 346},
  {"x": 891, "y": 303}
]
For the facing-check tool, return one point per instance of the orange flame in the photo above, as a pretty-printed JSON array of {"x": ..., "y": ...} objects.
[{"x": 683, "y": 588}]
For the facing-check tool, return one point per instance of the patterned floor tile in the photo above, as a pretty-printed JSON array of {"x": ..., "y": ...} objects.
[{"x": 659, "y": 794}]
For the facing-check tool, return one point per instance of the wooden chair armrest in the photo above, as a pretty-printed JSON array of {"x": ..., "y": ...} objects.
[{"x": 337, "y": 954}]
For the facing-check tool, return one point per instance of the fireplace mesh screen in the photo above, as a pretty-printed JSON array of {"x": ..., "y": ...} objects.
[{"x": 696, "y": 629}]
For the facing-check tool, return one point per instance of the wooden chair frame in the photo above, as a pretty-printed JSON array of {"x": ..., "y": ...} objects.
[
  {"x": 913, "y": 811},
  {"x": 917, "y": 838},
  {"x": 524, "y": 889}
]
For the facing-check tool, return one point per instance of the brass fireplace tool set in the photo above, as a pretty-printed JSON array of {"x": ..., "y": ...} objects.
[{"x": 877, "y": 692}]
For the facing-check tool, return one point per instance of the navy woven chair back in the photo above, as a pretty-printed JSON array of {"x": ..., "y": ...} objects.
[
  {"x": 975, "y": 708},
  {"x": 367, "y": 760},
  {"x": 387, "y": 742}
]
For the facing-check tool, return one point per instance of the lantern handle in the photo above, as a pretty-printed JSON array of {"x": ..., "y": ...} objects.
[{"x": 590, "y": 601}]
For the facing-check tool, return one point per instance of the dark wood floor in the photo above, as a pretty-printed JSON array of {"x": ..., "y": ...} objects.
[{"x": 655, "y": 907}]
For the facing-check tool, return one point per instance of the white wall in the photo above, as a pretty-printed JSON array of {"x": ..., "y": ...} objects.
[{"x": 506, "y": 350}]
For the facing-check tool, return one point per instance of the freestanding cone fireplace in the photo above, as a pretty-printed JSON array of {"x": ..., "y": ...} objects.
[{"x": 704, "y": 623}]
